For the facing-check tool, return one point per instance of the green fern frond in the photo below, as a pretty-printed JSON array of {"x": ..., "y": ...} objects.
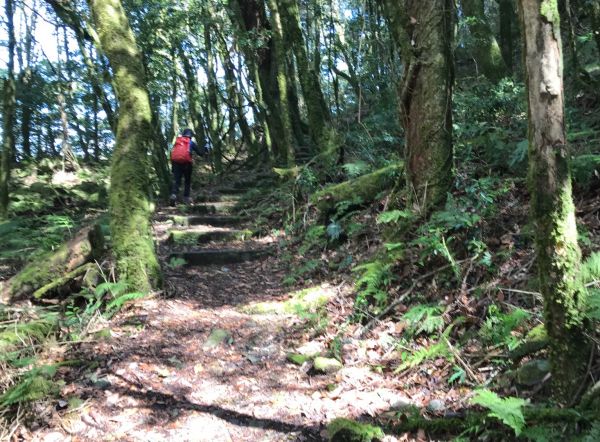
[
  {"x": 116, "y": 304},
  {"x": 509, "y": 410},
  {"x": 35, "y": 330},
  {"x": 35, "y": 384},
  {"x": 438, "y": 350},
  {"x": 424, "y": 318}
]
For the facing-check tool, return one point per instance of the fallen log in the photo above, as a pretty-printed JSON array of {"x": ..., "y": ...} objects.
[
  {"x": 50, "y": 270},
  {"x": 363, "y": 189}
]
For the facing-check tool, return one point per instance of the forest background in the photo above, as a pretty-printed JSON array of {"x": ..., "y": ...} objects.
[{"x": 440, "y": 155}]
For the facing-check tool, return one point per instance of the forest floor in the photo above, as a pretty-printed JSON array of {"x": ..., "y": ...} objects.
[{"x": 207, "y": 359}]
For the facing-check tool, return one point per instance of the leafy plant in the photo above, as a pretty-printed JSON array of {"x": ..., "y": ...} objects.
[
  {"x": 438, "y": 350},
  {"x": 508, "y": 410},
  {"x": 176, "y": 262},
  {"x": 498, "y": 326},
  {"x": 374, "y": 277},
  {"x": 424, "y": 319},
  {"x": 33, "y": 385},
  {"x": 393, "y": 216}
]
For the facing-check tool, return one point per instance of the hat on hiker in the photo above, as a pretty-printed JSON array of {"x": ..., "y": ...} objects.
[{"x": 187, "y": 133}]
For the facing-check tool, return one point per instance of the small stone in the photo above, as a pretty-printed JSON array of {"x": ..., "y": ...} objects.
[
  {"x": 327, "y": 365},
  {"x": 435, "y": 406},
  {"x": 533, "y": 372}
]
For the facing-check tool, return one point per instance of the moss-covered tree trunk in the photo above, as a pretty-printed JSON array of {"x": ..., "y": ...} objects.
[
  {"x": 552, "y": 208},
  {"x": 485, "y": 48},
  {"x": 129, "y": 204},
  {"x": 251, "y": 17},
  {"x": 286, "y": 149},
  {"x": 8, "y": 111},
  {"x": 316, "y": 108},
  {"x": 213, "y": 111},
  {"x": 424, "y": 34}
]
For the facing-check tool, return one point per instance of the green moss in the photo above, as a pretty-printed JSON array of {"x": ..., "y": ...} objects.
[
  {"x": 346, "y": 430},
  {"x": 129, "y": 204},
  {"x": 364, "y": 188},
  {"x": 306, "y": 300},
  {"x": 297, "y": 358},
  {"x": 327, "y": 365},
  {"x": 549, "y": 10}
]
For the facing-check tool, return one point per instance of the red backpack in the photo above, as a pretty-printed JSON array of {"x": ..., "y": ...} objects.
[{"x": 181, "y": 150}]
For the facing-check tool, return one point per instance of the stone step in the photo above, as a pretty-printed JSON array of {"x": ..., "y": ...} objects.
[
  {"x": 208, "y": 220},
  {"x": 224, "y": 208},
  {"x": 201, "y": 237},
  {"x": 204, "y": 257},
  {"x": 216, "y": 197}
]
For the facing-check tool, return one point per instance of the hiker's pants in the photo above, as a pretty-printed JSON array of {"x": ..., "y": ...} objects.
[{"x": 181, "y": 170}]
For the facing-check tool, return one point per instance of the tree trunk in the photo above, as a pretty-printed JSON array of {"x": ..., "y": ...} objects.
[
  {"x": 213, "y": 113},
  {"x": 507, "y": 18},
  {"x": 425, "y": 97},
  {"x": 8, "y": 109},
  {"x": 485, "y": 48},
  {"x": 193, "y": 96},
  {"x": 316, "y": 108},
  {"x": 553, "y": 212},
  {"x": 285, "y": 155},
  {"x": 129, "y": 204},
  {"x": 234, "y": 96}
]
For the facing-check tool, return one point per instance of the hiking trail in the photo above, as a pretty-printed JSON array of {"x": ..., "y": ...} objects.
[{"x": 208, "y": 359}]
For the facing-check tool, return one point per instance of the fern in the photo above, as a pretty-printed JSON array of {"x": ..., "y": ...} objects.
[
  {"x": 509, "y": 410},
  {"x": 35, "y": 384},
  {"x": 590, "y": 269},
  {"x": 116, "y": 304},
  {"x": 375, "y": 277},
  {"x": 498, "y": 326},
  {"x": 593, "y": 305},
  {"x": 393, "y": 216},
  {"x": 35, "y": 330},
  {"x": 438, "y": 350},
  {"x": 424, "y": 318}
]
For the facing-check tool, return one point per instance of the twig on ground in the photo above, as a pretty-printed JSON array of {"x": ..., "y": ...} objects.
[{"x": 461, "y": 361}]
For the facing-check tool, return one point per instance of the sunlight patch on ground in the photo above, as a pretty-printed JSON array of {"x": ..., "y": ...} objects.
[
  {"x": 305, "y": 300},
  {"x": 62, "y": 178}
]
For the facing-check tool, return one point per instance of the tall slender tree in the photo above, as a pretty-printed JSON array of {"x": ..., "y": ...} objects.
[
  {"x": 8, "y": 109},
  {"x": 129, "y": 204},
  {"x": 552, "y": 209}
]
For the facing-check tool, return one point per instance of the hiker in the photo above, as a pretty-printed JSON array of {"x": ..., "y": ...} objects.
[{"x": 181, "y": 163}]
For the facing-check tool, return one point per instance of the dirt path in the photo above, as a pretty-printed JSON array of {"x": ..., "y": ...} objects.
[{"x": 195, "y": 364}]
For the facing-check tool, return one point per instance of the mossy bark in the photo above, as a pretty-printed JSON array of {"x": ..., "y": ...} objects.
[
  {"x": 129, "y": 203},
  {"x": 423, "y": 31},
  {"x": 8, "y": 111},
  {"x": 285, "y": 153},
  {"x": 316, "y": 108},
  {"x": 86, "y": 246},
  {"x": 212, "y": 110},
  {"x": 363, "y": 189},
  {"x": 553, "y": 212},
  {"x": 251, "y": 17},
  {"x": 485, "y": 48}
]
